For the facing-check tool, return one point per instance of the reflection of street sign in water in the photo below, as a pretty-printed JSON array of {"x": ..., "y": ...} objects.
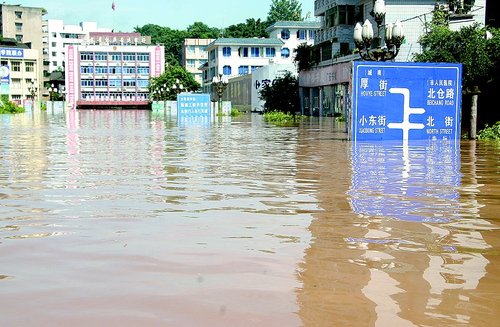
[
  {"x": 405, "y": 101},
  {"x": 412, "y": 183},
  {"x": 194, "y": 109}
]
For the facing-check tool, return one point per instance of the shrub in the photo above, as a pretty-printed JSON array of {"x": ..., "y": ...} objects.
[
  {"x": 8, "y": 107},
  {"x": 490, "y": 132}
]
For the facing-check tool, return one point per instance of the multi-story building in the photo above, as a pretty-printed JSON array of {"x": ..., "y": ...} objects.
[
  {"x": 293, "y": 33},
  {"x": 325, "y": 89},
  {"x": 241, "y": 56},
  {"x": 195, "y": 55},
  {"x": 60, "y": 35},
  {"x": 24, "y": 24},
  {"x": 112, "y": 70},
  {"x": 19, "y": 71}
]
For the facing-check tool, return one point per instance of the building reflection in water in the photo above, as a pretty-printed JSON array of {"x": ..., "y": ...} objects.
[{"x": 411, "y": 250}]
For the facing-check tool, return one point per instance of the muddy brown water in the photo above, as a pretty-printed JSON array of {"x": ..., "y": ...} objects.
[{"x": 125, "y": 218}]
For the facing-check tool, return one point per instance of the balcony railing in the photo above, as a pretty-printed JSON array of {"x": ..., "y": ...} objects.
[{"x": 320, "y": 6}]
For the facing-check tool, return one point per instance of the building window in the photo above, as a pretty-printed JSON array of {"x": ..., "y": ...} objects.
[
  {"x": 226, "y": 51},
  {"x": 89, "y": 56},
  {"x": 54, "y": 34},
  {"x": 301, "y": 34},
  {"x": 243, "y": 52},
  {"x": 116, "y": 56},
  {"x": 129, "y": 70},
  {"x": 190, "y": 50},
  {"x": 19, "y": 14},
  {"x": 190, "y": 63},
  {"x": 19, "y": 27},
  {"x": 54, "y": 44},
  {"x": 54, "y": 53},
  {"x": 243, "y": 70},
  {"x": 54, "y": 63},
  {"x": 226, "y": 70},
  {"x": 270, "y": 52},
  {"x": 344, "y": 48},
  {"x": 311, "y": 35},
  {"x": 101, "y": 56},
  {"x": 16, "y": 66},
  {"x": 115, "y": 70},
  {"x": 101, "y": 70},
  {"x": 285, "y": 53},
  {"x": 30, "y": 66},
  {"x": 87, "y": 82},
  {"x": 86, "y": 69},
  {"x": 16, "y": 83},
  {"x": 255, "y": 52},
  {"x": 285, "y": 34},
  {"x": 129, "y": 57},
  {"x": 143, "y": 70},
  {"x": 19, "y": 38},
  {"x": 340, "y": 15},
  {"x": 143, "y": 57}
]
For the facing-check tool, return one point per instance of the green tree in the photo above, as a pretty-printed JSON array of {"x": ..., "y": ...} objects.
[
  {"x": 281, "y": 95},
  {"x": 199, "y": 30},
  {"x": 304, "y": 57},
  {"x": 173, "y": 40},
  {"x": 470, "y": 46},
  {"x": 173, "y": 75},
  {"x": 284, "y": 10},
  {"x": 252, "y": 28}
]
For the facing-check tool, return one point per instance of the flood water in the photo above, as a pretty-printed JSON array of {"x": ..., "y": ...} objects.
[{"x": 125, "y": 218}]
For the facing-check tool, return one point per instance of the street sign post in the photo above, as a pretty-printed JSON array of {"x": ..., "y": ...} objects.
[{"x": 406, "y": 101}]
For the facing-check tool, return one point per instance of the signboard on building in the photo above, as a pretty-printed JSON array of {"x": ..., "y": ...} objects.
[
  {"x": 193, "y": 108},
  {"x": 11, "y": 53},
  {"x": 404, "y": 101}
]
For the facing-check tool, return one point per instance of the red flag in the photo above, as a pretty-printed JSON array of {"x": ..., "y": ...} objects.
[{"x": 113, "y": 6}]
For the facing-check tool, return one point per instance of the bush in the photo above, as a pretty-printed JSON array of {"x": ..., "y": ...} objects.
[
  {"x": 8, "y": 107},
  {"x": 280, "y": 118},
  {"x": 490, "y": 132}
]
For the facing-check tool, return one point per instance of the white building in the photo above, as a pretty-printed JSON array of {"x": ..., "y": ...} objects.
[
  {"x": 293, "y": 33},
  {"x": 112, "y": 70},
  {"x": 60, "y": 35},
  {"x": 241, "y": 56}
]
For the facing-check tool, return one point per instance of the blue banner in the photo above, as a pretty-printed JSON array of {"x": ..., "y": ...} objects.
[
  {"x": 11, "y": 53},
  {"x": 405, "y": 101}
]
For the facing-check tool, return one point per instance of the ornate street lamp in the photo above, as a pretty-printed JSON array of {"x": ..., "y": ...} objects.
[
  {"x": 219, "y": 84},
  {"x": 177, "y": 87},
  {"x": 370, "y": 46},
  {"x": 33, "y": 89}
]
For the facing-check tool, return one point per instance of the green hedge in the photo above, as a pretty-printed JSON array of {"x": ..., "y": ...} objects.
[{"x": 8, "y": 107}]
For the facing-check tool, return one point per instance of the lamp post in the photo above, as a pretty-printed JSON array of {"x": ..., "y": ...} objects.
[
  {"x": 33, "y": 89},
  {"x": 219, "y": 84},
  {"x": 369, "y": 46},
  {"x": 177, "y": 87}
]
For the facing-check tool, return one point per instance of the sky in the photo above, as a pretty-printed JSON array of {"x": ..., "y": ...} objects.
[{"x": 175, "y": 14}]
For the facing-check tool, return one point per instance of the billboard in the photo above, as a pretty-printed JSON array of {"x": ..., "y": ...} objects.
[
  {"x": 194, "y": 108},
  {"x": 405, "y": 101}
]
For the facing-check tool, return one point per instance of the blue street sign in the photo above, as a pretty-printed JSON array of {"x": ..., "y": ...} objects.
[
  {"x": 406, "y": 101},
  {"x": 194, "y": 108}
]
